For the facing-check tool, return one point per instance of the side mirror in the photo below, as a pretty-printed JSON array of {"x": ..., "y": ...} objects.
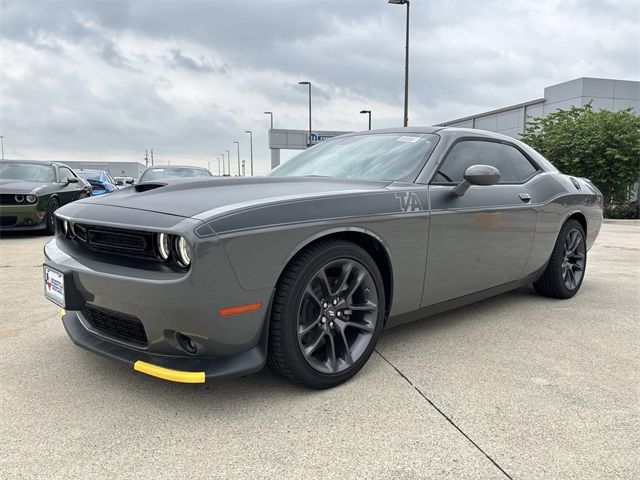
[
  {"x": 477, "y": 175},
  {"x": 72, "y": 180},
  {"x": 129, "y": 181}
]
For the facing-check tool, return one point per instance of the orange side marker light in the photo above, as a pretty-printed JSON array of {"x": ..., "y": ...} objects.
[{"x": 225, "y": 312}]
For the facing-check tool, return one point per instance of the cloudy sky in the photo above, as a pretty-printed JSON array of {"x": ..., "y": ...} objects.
[{"x": 108, "y": 79}]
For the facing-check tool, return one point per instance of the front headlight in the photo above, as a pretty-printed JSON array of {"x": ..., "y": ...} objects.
[
  {"x": 183, "y": 252},
  {"x": 65, "y": 227},
  {"x": 163, "y": 243},
  {"x": 19, "y": 198},
  {"x": 31, "y": 198}
]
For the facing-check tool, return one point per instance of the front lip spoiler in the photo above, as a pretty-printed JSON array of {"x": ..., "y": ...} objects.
[{"x": 178, "y": 369}]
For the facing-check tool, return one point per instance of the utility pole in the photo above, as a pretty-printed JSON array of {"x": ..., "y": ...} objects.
[
  {"x": 146, "y": 158},
  {"x": 238, "y": 144},
  {"x": 308, "y": 84},
  {"x": 251, "y": 144}
]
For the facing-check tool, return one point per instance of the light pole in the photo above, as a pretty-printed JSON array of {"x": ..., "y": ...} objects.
[
  {"x": 406, "y": 63},
  {"x": 369, "y": 112},
  {"x": 219, "y": 165},
  {"x": 309, "y": 85},
  {"x": 251, "y": 147},
  {"x": 243, "y": 169},
  {"x": 228, "y": 160},
  {"x": 2, "y": 143},
  {"x": 271, "y": 115},
  {"x": 238, "y": 144}
]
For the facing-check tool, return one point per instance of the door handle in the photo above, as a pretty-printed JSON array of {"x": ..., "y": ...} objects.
[{"x": 525, "y": 197}]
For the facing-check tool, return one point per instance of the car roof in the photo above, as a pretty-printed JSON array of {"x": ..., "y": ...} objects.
[
  {"x": 181, "y": 167},
  {"x": 89, "y": 170},
  {"x": 436, "y": 129}
]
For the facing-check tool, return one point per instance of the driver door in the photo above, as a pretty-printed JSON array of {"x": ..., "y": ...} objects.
[{"x": 483, "y": 238}]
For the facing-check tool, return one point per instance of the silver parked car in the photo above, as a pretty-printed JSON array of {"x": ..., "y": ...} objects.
[{"x": 190, "y": 280}]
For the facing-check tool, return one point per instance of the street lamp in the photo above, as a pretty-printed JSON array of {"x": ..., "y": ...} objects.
[
  {"x": 406, "y": 62},
  {"x": 271, "y": 115},
  {"x": 219, "y": 165},
  {"x": 238, "y": 144},
  {"x": 251, "y": 147},
  {"x": 228, "y": 160},
  {"x": 309, "y": 85},
  {"x": 369, "y": 112}
]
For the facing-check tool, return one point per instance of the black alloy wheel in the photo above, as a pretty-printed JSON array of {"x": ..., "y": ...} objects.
[
  {"x": 573, "y": 260},
  {"x": 328, "y": 312},
  {"x": 50, "y": 225},
  {"x": 564, "y": 273},
  {"x": 337, "y": 315}
]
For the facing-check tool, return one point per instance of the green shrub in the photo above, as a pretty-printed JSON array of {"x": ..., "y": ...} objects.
[{"x": 629, "y": 210}]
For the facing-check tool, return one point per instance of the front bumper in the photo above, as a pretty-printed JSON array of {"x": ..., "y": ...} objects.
[
  {"x": 22, "y": 217},
  {"x": 174, "y": 368},
  {"x": 166, "y": 304}
]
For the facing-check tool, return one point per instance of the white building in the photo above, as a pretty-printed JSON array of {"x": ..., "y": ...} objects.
[{"x": 606, "y": 94}]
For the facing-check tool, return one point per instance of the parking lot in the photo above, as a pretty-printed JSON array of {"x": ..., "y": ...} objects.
[{"x": 516, "y": 386}]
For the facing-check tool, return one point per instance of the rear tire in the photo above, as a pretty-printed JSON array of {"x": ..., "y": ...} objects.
[
  {"x": 327, "y": 315},
  {"x": 50, "y": 226},
  {"x": 565, "y": 271}
]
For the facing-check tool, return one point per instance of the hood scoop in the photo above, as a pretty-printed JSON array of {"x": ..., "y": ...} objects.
[{"x": 143, "y": 187}]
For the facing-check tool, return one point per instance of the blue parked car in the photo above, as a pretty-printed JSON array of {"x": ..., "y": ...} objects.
[{"x": 101, "y": 182}]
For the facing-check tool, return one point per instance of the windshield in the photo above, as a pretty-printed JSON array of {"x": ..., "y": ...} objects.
[
  {"x": 27, "y": 171},
  {"x": 382, "y": 156},
  {"x": 161, "y": 173},
  {"x": 90, "y": 175}
]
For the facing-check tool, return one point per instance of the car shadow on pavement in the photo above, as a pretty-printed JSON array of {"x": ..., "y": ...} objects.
[{"x": 256, "y": 390}]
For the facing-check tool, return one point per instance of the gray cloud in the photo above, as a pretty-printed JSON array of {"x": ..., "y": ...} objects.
[{"x": 106, "y": 78}]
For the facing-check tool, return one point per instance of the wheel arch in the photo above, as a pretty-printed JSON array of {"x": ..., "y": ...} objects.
[
  {"x": 580, "y": 218},
  {"x": 373, "y": 244}
]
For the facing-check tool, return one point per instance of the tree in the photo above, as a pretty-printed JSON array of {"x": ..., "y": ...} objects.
[{"x": 602, "y": 146}]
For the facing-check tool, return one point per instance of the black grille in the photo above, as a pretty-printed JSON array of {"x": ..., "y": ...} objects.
[
  {"x": 124, "y": 242},
  {"x": 9, "y": 199},
  {"x": 6, "y": 221},
  {"x": 115, "y": 324}
]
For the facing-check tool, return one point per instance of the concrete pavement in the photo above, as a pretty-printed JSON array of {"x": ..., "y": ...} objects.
[{"x": 516, "y": 386}]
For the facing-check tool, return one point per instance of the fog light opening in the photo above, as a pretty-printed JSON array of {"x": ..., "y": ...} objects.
[{"x": 186, "y": 343}]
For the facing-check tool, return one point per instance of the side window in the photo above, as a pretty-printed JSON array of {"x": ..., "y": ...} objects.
[
  {"x": 476, "y": 152},
  {"x": 524, "y": 168},
  {"x": 65, "y": 173}
]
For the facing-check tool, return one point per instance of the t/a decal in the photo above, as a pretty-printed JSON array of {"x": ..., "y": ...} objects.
[{"x": 409, "y": 201}]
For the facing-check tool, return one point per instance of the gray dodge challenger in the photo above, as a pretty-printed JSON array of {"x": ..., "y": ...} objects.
[{"x": 196, "y": 279}]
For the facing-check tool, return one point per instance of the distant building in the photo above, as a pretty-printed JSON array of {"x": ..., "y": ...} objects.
[
  {"x": 605, "y": 94},
  {"x": 115, "y": 169}
]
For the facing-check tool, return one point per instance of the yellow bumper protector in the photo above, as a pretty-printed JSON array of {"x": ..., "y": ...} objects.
[{"x": 168, "y": 374}]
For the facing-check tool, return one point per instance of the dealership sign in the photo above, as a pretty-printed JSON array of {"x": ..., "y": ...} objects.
[{"x": 319, "y": 137}]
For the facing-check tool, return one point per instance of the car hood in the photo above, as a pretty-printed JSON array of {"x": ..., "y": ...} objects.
[
  {"x": 19, "y": 186},
  {"x": 188, "y": 198}
]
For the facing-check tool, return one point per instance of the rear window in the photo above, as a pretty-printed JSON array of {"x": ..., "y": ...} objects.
[{"x": 162, "y": 173}]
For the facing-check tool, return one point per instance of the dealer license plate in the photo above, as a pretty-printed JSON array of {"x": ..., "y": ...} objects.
[{"x": 54, "y": 286}]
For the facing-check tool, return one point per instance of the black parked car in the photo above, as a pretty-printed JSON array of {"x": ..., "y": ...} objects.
[{"x": 30, "y": 191}]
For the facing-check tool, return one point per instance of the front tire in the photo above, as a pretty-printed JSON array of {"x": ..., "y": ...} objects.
[
  {"x": 327, "y": 315},
  {"x": 565, "y": 271},
  {"x": 50, "y": 225}
]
